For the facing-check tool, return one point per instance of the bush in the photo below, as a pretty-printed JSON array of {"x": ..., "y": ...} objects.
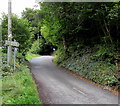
[
  {"x": 90, "y": 64},
  {"x": 35, "y": 47},
  {"x": 60, "y": 56},
  {"x": 6, "y": 70},
  {"x": 42, "y": 47},
  {"x": 4, "y": 58}
]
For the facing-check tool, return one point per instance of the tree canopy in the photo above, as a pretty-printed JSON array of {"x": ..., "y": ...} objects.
[
  {"x": 85, "y": 23},
  {"x": 20, "y": 32}
]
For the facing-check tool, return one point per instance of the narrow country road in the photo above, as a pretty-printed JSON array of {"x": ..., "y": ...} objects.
[{"x": 58, "y": 87}]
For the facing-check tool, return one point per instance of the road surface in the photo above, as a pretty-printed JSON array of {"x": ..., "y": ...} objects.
[{"x": 58, "y": 87}]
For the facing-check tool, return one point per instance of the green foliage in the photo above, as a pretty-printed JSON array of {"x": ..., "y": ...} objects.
[
  {"x": 15, "y": 89},
  {"x": 106, "y": 52},
  {"x": 35, "y": 47},
  {"x": 80, "y": 20},
  {"x": 6, "y": 70},
  {"x": 34, "y": 17},
  {"x": 4, "y": 58},
  {"x": 29, "y": 56},
  {"x": 88, "y": 64},
  {"x": 41, "y": 47},
  {"x": 50, "y": 31},
  {"x": 60, "y": 56},
  {"x": 20, "y": 32},
  {"x": 87, "y": 37}
]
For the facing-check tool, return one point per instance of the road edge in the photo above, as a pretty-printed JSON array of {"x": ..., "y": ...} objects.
[{"x": 89, "y": 81}]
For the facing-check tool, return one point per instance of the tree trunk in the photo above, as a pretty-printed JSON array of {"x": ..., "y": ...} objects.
[
  {"x": 103, "y": 32},
  {"x": 64, "y": 43},
  {"x": 108, "y": 32}
]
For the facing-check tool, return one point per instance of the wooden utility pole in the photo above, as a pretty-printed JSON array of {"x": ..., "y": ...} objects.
[{"x": 9, "y": 52}]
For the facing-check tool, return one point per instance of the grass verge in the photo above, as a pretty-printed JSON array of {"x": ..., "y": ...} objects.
[
  {"x": 29, "y": 56},
  {"x": 18, "y": 87}
]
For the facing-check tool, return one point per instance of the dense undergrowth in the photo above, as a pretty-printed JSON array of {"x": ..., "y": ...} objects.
[
  {"x": 94, "y": 63},
  {"x": 18, "y": 86}
]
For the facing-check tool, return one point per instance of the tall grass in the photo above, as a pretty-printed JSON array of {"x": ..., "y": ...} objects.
[{"x": 19, "y": 88}]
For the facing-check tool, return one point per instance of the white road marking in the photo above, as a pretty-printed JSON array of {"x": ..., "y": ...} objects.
[{"x": 79, "y": 91}]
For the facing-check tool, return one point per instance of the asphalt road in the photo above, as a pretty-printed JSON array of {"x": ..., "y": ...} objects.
[{"x": 58, "y": 87}]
